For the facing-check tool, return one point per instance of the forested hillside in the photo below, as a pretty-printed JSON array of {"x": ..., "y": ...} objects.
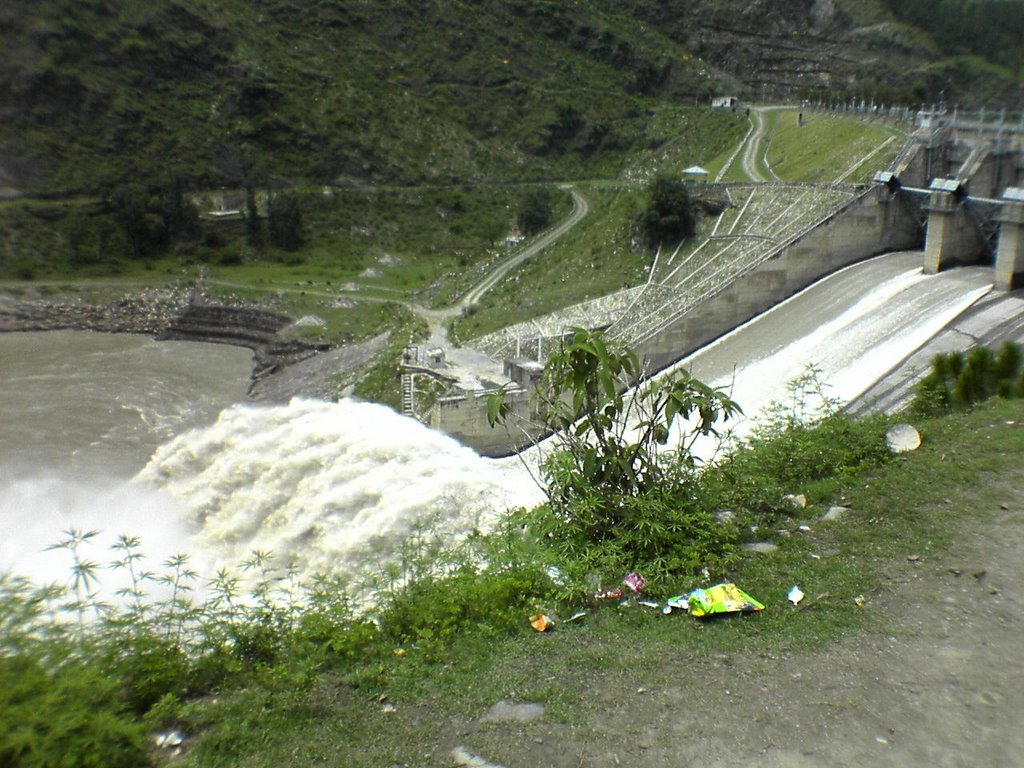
[{"x": 96, "y": 93}]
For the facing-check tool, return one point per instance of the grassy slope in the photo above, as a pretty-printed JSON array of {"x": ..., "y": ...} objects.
[
  {"x": 586, "y": 672},
  {"x": 826, "y": 147}
]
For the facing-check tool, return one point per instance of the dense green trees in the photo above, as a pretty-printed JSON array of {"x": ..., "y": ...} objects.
[
  {"x": 149, "y": 216},
  {"x": 535, "y": 212},
  {"x": 285, "y": 221},
  {"x": 669, "y": 216}
]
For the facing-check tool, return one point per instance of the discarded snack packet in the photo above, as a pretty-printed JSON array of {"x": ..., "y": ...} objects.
[
  {"x": 721, "y": 598},
  {"x": 634, "y": 581},
  {"x": 542, "y": 623},
  {"x": 609, "y": 594}
]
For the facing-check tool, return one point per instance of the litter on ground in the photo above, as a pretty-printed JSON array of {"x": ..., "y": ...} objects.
[{"x": 721, "y": 598}]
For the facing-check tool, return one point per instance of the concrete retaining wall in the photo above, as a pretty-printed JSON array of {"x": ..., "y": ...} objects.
[{"x": 465, "y": 419}]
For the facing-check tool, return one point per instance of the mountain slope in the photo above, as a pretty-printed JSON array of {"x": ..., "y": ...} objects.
[
  {"x": 94, "y": 93},
  {"x": 322, "y": 90}
]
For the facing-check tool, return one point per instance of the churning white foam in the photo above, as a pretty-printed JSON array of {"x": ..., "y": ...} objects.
[
  {"x": 328, "y": 486},
  {"x": 39, "y": 511}
]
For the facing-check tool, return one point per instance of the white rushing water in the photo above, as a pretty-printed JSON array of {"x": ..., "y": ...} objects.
[
  {"x": 328, "y": 486},
  {"x": 336, "y": 486},
  {"x": 853, "y": 327}
]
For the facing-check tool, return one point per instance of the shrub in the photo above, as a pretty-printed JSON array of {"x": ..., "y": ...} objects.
[
  {"x": 800, "y": 442},
  {"x": 957, "y": 381},
  {"x": 68, "y": 715},
  {"x": 621, "y": 493}
]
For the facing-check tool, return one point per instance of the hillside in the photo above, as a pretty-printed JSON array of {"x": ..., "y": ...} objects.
[
  {"x": 326, "y": 92},
  {"x": 224, "y": 92}
]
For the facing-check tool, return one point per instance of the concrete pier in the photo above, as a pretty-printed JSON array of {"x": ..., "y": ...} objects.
[
  {"x": 952, "y": 236},
  {"x": 1010, "y": 253}
]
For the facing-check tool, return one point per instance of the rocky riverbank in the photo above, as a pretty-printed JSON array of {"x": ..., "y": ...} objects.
[
  {"x": 180, "y": 314},
  {"x": 149, "y": 311}
]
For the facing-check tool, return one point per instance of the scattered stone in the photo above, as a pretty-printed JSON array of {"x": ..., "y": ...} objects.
[
  {"x": 761, "y": 547},
  {"x": 798, "y": 501},
  {"x": 509, "y": 710},
  {"x": 902, "y": 438},
  {"x": 309, "y": 321},
  {"x": 725, "y": 516},
  {"x": 834, "y": 513},
  {"x": 168, "y": 740}
]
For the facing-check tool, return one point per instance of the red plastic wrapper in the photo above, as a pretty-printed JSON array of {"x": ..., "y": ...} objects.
[{"x": 634, "y": 581}]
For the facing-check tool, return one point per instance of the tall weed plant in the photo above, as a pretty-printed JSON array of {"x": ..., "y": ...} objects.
[{"x": 622, "y": 484}]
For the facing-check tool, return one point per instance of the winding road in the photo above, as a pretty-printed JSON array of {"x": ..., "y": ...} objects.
[
  {"x": 438, "y": 319},
  {"x": 579, "y": 212}
]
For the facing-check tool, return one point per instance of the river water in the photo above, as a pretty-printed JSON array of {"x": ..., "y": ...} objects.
[{"x": 146, "y": 438}]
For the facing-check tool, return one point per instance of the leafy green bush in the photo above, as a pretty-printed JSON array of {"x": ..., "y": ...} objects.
[
  {"x": 621, "y": 493},
  {"x": 797, "y": 443},
  {"x": 433, "y": 592},
  {"x": 441, "y": 606},
  {"x": 65, "y": 715}
]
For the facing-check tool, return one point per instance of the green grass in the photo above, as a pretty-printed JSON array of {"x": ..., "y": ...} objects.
[{"x": 828, "y": 148}]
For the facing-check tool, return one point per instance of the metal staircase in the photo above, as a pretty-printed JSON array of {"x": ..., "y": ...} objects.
[{"x": 408, "y": 395}]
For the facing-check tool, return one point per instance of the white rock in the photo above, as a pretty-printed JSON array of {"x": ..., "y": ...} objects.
[{"x": 902, "y": 438}]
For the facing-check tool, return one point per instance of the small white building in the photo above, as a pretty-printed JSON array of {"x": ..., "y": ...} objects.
[
  {"x": 695, "y": 175},
  {"x": 724, "y": 102}
]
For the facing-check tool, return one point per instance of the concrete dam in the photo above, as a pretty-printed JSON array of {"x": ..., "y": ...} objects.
[{"x": 954, "y": 194}]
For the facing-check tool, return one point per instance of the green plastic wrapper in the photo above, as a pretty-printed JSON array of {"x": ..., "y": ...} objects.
[{"x": 721, "y": 598}]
